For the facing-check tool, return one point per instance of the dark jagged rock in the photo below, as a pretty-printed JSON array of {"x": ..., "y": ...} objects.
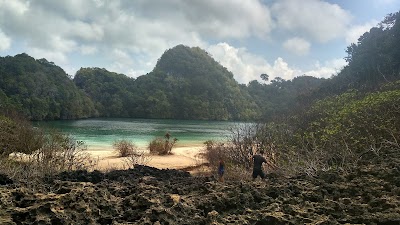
[
  {"x": 138, "y": 172},
  {"x": 4, "y": 179},
  {"x": 145, "y": 195}
]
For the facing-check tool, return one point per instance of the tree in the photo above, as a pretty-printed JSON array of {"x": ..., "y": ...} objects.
[{"x": 264, "y": 77}]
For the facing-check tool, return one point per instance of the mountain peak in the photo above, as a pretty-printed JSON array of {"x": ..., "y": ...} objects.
[{"x": 182, "y": 60}]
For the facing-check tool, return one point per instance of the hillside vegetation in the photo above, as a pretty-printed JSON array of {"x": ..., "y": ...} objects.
[
  {"x": 353, "y": 115},
  {"x": 40, "y": 90}
]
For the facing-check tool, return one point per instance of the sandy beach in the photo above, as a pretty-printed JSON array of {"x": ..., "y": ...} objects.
[{"x": 182, "y": 157}]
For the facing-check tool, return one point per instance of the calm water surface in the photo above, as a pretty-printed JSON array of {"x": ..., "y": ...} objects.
[{"x": 101, "y": 133}]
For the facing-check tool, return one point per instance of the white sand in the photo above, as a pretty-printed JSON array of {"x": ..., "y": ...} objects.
[{"x": 182, "y": 157}]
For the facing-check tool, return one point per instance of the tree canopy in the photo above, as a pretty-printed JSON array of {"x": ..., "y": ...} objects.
[
  {"x": 41, "y": 90},
  {"x": 187, "y": 83}
]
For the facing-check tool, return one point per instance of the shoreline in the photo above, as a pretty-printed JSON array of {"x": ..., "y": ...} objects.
[{"x": 182, "y": 157}]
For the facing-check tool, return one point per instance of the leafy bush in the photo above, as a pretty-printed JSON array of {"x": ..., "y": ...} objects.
[{"x": 348, "y": 125}]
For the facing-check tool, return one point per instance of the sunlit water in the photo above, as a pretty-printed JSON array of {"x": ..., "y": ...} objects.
[{"x": 101, "y": 133}]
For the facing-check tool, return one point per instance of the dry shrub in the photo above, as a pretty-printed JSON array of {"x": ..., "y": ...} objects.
[
  {"x": 162, "y": 146},
  {"x": 137, "y": 158},
  {"x": 156, "y": 147},
  {"x": 124, "y": 148},
  {"x": 18, "y": 135},
  {"x": 59, "y": 153},
  {"x": 245, "y": 140},
  {"x": 132, "y": 155},
  {"x": 216, "y": 151}
]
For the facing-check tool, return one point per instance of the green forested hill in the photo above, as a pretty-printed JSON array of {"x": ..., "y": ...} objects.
[
  {"x": 111, "y": 93},
  {"x": 197, "y": 87},
  {"x": 40, "y": 90},
  {"x": 185, "y": 84}
]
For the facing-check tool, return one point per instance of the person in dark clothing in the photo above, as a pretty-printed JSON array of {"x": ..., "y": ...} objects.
[
  {"x": 258, "y": 160},
  {"x": 221, "y": 170}
]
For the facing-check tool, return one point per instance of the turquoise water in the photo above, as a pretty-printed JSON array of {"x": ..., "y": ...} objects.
[{"x": 101, "y": 133}]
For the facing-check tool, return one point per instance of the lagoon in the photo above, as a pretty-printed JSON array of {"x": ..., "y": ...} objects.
[{"x": 101, "y": 133}]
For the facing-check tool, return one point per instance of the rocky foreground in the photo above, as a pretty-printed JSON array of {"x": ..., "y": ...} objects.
[{"x": 145, "y": 195}]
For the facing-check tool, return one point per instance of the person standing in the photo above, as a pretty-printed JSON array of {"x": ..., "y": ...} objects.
[
  {"x": 221, "y": 170},
  {"x": 258, "y": 160}
]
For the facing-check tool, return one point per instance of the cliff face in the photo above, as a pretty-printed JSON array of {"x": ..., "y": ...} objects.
[{"x": 144, "y": 195}]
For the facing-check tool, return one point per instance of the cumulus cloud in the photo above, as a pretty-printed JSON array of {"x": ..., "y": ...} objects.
[
  {"x": 247, "y": 67},
  {"x": 14, "y": 7},
  {"x": 52, "y": 56},
  {"x": 319, "y": 20},
  {"x": 329, "y": 68},
  {"x": 298, "y": 46},
  {"x": 88, "y": 49},
  {"x": 132, "y": 35},
  {"x": 144, "y": 29},
  {"x": 355, "y": 32},
  {"x": 5, "y": 42}
]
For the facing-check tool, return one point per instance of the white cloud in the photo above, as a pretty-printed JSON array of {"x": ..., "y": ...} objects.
[
  {"x": 62, "y": 45},
  {"x": 247, "y": 67},
  {"x": 297, "y": 46},
  {"x": 88, "y": 49},
  {"x": 86, "y": 31},
  {"x": 132, "y": 35},
  {"x": 59, "y": 58},
  {"x": 329, "y": 68},
  {"x": 316, "y": 19},
  {"x": 355, "y": 32},
  {"x": 244, "y": 66},
  {"x": 14, "y": 7},
  {"x": 281, "y": 69},
  {"x": 5, "y": 42}
]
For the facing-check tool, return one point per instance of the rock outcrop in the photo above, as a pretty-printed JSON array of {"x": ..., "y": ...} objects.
[{"x": 145, "y": 195}]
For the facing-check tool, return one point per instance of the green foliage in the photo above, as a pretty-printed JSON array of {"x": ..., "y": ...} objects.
[
  {"x": 357, "y": 120},
  {"x": 282, "y": 96},
  {"x": 111, "y": 92},
  {"x": 185, "y": 84},
  {"x": 40, "y": 90},
  {"x": 197, "y": 87},
  {"x": 373, "y": 60}
]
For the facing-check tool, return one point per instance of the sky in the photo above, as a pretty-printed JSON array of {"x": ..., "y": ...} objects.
[{"x": 282, "y": 38}]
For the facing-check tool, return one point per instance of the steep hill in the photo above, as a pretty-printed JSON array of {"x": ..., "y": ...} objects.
[
  {"x": 40, "y": 90},
  {"x": 196, "y": 87},
  {"x": 186, "y": 83},
  {"x": 112, "y": 93}
]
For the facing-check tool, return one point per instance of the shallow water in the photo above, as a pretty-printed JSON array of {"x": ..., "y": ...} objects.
[{"x": 101, "y": 133}]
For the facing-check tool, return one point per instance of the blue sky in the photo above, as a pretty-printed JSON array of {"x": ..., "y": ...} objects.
[{"x": 283, "y": 38}]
